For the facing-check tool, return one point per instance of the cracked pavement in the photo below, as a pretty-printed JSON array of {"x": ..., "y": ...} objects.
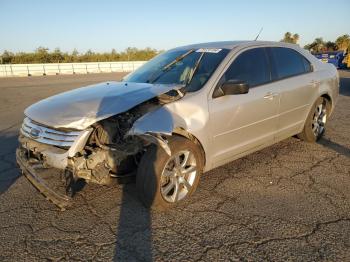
[{"x": 290, "y": 201}]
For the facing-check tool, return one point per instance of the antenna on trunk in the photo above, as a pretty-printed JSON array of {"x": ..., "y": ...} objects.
[{"x": 256, "y": 38}]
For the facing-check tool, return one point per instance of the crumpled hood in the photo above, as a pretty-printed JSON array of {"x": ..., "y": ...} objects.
[{"x": 84, "y": 106}]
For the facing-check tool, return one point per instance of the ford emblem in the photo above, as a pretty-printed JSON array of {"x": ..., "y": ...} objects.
[{"x": 35, "y": 132}]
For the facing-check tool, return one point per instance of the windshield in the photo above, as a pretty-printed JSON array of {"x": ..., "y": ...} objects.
[{"x": 191, "y": 68}]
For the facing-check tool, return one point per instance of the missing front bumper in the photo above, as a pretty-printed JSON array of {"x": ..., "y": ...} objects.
[{"x": 32, "y": 174}]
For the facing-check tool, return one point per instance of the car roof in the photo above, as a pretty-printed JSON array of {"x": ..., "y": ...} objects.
[{"x": 232, "y": 44}]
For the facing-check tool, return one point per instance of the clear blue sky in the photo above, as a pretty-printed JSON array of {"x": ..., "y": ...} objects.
[{"x": 101, "y": 25}]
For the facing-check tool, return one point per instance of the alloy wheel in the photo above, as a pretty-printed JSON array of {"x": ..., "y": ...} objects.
[
  {"x": 319, "y": 119},
  {"x": 178, "y": 176}
]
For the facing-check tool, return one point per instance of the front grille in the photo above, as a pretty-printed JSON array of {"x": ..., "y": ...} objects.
[{"x": 45, "y": 135}]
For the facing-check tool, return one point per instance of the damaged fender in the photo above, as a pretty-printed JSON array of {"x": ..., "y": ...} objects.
[{"x": 153, "y": 125}]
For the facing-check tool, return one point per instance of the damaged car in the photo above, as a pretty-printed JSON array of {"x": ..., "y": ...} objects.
[{"x": 184, "y": 112}]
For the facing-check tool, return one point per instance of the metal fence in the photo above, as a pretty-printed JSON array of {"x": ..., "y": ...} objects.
[{"x": 68, "y": 68}]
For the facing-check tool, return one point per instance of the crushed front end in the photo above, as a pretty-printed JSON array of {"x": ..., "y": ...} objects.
[
  {"x": 43, "y": 155},
  {"x": 54, "y": 160},
  {"x": 57, "y": 159}
]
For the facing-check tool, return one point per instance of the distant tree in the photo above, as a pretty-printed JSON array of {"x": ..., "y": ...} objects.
[
  {"x": 318, "y": 45},
  {"x": 7, "y": 57},
  {"x": 331, "y": 46},
  {"x": 343, "y": 42},
  {"x": 72, "y": 57},
  {"x": 130, "y": 53},
  {"x": 290, "y": 38},
  {"x": 75, "y": 55},
  {"x": 114, "y": 55},
  {"x": 89, "y": 53},
  {"x": 43, "y": 55},
  {"x": 57, "y": 56},
  {"x": 75, "y": 52},
  {"x": 296, "y": 38}
]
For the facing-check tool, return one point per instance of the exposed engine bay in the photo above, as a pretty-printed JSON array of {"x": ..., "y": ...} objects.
[
  {"x": 109, "y": 152},
  {"x": 108, "y": 155}
]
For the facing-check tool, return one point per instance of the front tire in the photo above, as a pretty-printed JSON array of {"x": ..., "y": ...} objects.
[
  {"x": 162, "y": 180},
  {"x": 315, "y": 125}
]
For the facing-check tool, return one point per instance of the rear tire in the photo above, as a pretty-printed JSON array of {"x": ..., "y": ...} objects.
[
  {"x": 315, "y": 124},
  {"x": 162, "y": 180}
]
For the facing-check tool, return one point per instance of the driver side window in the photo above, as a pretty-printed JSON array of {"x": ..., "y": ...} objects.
[{"x": 251, "y": 67}]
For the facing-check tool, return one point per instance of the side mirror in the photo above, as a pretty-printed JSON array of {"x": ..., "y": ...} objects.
[{"x": 235, "y": 87}]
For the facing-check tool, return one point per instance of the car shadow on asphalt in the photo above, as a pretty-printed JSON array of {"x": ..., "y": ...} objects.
[
  {"x": 340, "y": 149},
  {"x": 9, "y": 172},
  {"x": 134, "y": 231}
]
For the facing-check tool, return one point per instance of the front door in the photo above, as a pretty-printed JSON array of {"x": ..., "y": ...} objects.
[{"x": 242, "y": 122}]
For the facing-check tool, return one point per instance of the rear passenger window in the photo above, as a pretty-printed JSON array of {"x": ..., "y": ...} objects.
[
  {"x": 251, "y": 66},
  {"x": 307, "y": 65},
  {"x": 289, "y": 62}
]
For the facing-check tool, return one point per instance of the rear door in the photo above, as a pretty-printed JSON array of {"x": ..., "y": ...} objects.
[{"x": 293, "y": 73}]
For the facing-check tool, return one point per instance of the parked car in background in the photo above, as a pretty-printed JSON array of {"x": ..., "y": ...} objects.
[
  {"x": 336, "y": 58},
  {"x": 185, "y": 112},
  {"x": 346, "y": 60}
]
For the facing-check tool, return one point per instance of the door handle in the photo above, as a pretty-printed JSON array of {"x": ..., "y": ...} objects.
[
  {"x": 270, "y": 95},
  {"x": 315, "y": 83}
]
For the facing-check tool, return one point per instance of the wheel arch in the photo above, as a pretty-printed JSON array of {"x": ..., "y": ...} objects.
[
  {"x": 328, "y": 98},
  {"x": 184, "y": 133}
]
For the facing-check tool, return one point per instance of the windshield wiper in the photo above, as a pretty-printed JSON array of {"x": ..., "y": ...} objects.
[
  {"x": 165, "y": 68},
  {"x": 194, "y": 69},
  {"x": 177, "y": 59}
]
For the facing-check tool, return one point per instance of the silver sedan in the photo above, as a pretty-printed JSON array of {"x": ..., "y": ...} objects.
[{"x": 185, "y": 112}]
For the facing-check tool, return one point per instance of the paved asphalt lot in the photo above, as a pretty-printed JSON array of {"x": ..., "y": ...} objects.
[{"x": 290, "y": 201}]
